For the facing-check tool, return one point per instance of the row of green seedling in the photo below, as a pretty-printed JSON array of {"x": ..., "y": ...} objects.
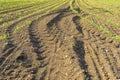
[
  {"x": 88, "y": 10},
  {"x": 44, "y": 8},
  {"x": 100, "y": 27},
  {"x": 27, "y": 23},
  {"x": 25, "y": 12},
  {"x": 5, "y": 6}
]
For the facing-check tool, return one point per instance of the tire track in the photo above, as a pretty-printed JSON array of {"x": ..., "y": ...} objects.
[
  {"x": 95, "y": 40},
  {"x": 104, "y": 54},
  {"x": 54, "y": 56},
  {"x": 9, "y": 47},
  {"x": 62, "y": 29},
  {"x": 45, "y": 43},
  {"x": 112, "y": 28},
  {"x": 38, "y": 64},
  {"x": 59, "y": 46},
  {"x": 94, "y": 56}
]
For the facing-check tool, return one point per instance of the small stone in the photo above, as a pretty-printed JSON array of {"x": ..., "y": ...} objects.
[
  {"x": 33, "y": 70},
  {"x": 66, "y": 56}
]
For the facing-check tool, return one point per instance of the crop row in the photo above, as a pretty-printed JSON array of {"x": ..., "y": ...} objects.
[
  {"x": 99, "y": 13},
  {"x": 35, "y": 15},
  {"x": 27, "y": 13},
  {"x": 7, "y": 6},
  {"x": 102, "y": 28},
  {"x": 18, "y": 14}
]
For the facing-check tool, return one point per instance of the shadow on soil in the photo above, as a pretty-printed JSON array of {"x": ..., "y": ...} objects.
[
  {"x": 76, "y": 21},
  {"x": 62, "y": 13},
  {"x": 79, "y": 49}
]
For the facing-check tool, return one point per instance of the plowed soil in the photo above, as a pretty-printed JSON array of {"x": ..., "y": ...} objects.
[{"x": 58, "y": 46}]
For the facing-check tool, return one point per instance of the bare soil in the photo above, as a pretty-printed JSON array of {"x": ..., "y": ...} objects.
[{"x": 59, "y": 46}]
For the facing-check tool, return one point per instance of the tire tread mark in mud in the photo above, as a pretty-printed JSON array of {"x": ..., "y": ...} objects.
[
  {"x": 92, "y": 50},
  {"x": 98, "y": 41},
  {"x": 94, "y": 46},
  {"x": 109, "y": 56},
  {"x": 57, "y": 30},
  {"x": 34, "y": 40},
  {"x": 79, "y": 49},
  {"x": 38, "y": 39},
  {"x": 10, "y": 39},
  {"x": 54, "y": 27},
  {"x": 9, "y": 47},
  {"x": 78, "y": 27},
  {"x": 105, "y": 58},
  {"x": 57, "y": 18},
  {"x": 97, "y": 62},
  {"x": 111, "y": 28},
  {"x": 10, "y": 30},
  {"x": 97, "y": 71}
]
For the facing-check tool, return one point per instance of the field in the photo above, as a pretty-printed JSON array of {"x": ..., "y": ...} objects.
[{"x": 59, "y": 39}]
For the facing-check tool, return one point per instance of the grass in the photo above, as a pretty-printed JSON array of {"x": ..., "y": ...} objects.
[
  {"x": 107, "y": 4},
  {"x": 94, "y": 4},
  {"x": 90, "y": 7},
  {"x": 18, "y": 28},
  {"x": 4, "y": 36},
  {"x": 100, "y": 13},
  {"x": 35, "y": 11},
  {"x": 1, "y": 19},
  {"x": 7, "y": 4},
  {"x": 44, "y": 9}
]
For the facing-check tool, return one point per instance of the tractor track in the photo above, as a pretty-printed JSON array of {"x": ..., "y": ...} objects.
[
  {"x": 9, "y": 30},
  {"x": 102, "y": 55},
  {"x": 10, "y": 42},
  {"x": 110, "y": 27},
  {"x": 49, "y": 39},
  {"x": 59, "y": 46}
]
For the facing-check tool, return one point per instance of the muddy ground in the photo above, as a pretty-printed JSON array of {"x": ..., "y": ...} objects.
[{"x": 59, "y": 46}]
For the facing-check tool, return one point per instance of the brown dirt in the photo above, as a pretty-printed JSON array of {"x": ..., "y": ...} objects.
[{"x": 59, "y": 46}]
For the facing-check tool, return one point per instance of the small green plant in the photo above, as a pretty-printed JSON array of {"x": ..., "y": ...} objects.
[
  {"x": 47, "y": 7},
  {"x": 4, "y": 36},
  {"x": 102, "y": 28},
  {"x": 92, "y": 11},
  {"x": 73, "y": 10},
  {"x": 17, "y": 28},
  {"x": 117, "y": 38},
  {"x": 1, "y": 19}
]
